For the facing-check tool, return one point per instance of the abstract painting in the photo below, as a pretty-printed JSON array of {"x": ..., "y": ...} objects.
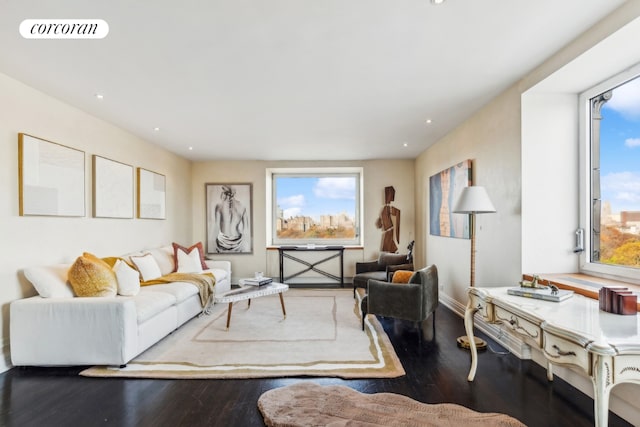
[{"x": 444, "y": 190}]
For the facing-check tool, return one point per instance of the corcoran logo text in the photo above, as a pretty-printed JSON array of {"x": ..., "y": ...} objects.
[{"x": 64, "y": 29}]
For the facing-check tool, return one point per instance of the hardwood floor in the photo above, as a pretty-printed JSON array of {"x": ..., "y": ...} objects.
[{"x": 436, "y": 372}]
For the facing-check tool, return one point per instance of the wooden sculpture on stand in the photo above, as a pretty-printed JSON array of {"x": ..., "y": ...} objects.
[{"x": 389, "y": 222}]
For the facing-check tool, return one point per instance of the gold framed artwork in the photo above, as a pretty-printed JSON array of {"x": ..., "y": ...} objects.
[
  {"x": 112, "y": 188},
  {"x": 444, "y": 190},
  {"x": 151, "y": 195},
  {"x": 51, "y": 178}
]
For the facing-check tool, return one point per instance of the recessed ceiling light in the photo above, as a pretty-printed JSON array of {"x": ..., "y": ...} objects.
[
  {"x": 157, "y": 129},
  {"x": 190, "y": 148},
  {"x": 405, "y": 144},
  {"x": 437, "y": 1},
  {"x": 428, "y": 121},
  {"x": 99, "y": 96}
]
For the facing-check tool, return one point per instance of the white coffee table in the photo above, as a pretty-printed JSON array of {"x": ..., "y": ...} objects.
[{"x": 250, "y": 292}]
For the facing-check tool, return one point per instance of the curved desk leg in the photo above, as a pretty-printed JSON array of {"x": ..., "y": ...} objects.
[
  {"x": 549, "y": 371},
  {"x": 468, "y": 326},
  {"x": 601, "y": 389}
]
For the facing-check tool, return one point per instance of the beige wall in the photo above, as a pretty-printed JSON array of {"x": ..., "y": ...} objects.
[
  {"x": 37, "y": 240},
  {"x": 523, "y": 161},
  {"x": 377, "y": 175},
  {"x": 491, "y": 139}
]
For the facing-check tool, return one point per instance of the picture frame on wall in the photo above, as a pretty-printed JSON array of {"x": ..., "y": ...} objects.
[
  {"x": 112, "y": 188},
  {"x": 229, "y": 208},
  {"x": 51, "y": 178},
  {"x": 445, "y": 188},
  {"x": 151, "y": 195}
]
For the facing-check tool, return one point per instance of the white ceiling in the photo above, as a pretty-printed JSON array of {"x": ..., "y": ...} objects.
[{"x": 291, "y": 79}]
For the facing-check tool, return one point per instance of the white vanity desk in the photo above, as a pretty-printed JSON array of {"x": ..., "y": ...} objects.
[{"x": 573, "y": 332}]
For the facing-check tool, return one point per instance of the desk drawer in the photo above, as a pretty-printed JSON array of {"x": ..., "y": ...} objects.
[
  {"x": 519, "y": 325},
  {"x": 627, "y": 368},
  {"x": 562, "y": 351}
]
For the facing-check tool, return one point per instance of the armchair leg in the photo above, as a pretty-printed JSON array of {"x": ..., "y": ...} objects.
[
  {"x": 433, "y": 324},
  {"x": 363, "y": 314}
]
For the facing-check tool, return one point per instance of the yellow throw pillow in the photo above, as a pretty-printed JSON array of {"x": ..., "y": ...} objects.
[
  {"x": 401, "y": 276},
  {"x": 92, "y": 277}
]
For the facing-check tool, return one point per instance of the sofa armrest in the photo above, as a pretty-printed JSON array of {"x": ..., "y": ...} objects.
[
  {"x": 365, "y": 267},
  {"x": 73, "y": 331},
  {"x": 224, "y": 265}
]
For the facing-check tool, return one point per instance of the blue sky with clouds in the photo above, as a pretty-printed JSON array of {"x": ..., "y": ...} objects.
[
  {"x": 313, "y": 196},
  {"x": 620, "y": 148}
]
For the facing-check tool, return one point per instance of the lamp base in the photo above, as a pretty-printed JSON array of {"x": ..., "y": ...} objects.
[{"x": 463, "y": 342}]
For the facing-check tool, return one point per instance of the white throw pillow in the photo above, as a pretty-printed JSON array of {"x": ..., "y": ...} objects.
[
  {"x": 147, "y": 266},
  {"x": 164, "y": 258},
  {"x": 128, "y": 279},
  {"x": 50, "y": 281},
  {"x": 189, "y": 262}
]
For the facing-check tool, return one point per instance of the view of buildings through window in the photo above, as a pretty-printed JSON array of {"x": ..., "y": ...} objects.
[
  {"x": 619, "y": 176},
  {"x": 316, "y": 207}
]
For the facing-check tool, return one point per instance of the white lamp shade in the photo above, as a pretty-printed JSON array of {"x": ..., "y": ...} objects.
[{"x": 474, "y": 200}]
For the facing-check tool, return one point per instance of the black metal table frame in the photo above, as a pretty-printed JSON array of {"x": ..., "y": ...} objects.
[{"x": 311, "y": 266}]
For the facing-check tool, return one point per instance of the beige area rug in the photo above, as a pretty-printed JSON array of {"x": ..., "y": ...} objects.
[
  {"x": 308, "y": 404},
  {"x": 321, "y": 336}
]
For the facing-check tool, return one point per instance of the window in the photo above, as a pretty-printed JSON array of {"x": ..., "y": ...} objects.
[
  {"x": 611, "y": 174},
  {"x": 314, "y": 206}
]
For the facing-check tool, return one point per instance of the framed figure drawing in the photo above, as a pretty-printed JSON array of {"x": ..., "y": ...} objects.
[
  {"x": 51, "y": 178},
  {"x": 444, "y": 190},
  {"x": 229, "y": 221}
]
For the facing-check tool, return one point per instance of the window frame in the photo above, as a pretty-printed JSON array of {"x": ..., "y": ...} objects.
[
  {"x": 587, "y": 266},
  {"x": 272, "y": 205}
]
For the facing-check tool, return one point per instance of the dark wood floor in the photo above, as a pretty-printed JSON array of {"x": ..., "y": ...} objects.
[{"x": 436, "y": 372}]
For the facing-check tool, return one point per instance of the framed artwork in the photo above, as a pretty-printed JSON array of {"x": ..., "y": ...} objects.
[
  {"x": 229, "y": 221},
  {"x": 444, "y": 190},
  {"x": 112, "y": 189},
  {"x": 151, "y": 195},
  {"x": 51, "y": 178}
]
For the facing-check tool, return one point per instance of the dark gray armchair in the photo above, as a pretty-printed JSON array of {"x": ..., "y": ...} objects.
[
  {"x": 381, "y": 269},
  {"x": 414, "y": 301}
]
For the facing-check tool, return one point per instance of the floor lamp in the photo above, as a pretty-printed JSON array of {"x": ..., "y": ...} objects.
[{"x": 473, "y": 200}]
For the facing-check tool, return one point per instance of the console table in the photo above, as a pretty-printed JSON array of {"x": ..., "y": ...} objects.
[
  {"x": 573, "y": 332},
  {"x": 338, "y": 252}
]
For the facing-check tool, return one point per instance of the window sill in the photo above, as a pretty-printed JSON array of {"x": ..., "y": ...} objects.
[{"x": 582, "y": 284}]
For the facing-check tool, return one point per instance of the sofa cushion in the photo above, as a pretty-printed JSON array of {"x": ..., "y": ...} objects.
[
  {"x": 149, "y": 303},
  {"x": 147, "y": 266},
  {"x": 50, "y": 281},
  {"x": 92, "y": 277},
  {"x": 164, "y": 258},
  {"x": 179, "y": 290},
  {"x": 128, "y": 278},
  {"x": 197, "y": 246}
]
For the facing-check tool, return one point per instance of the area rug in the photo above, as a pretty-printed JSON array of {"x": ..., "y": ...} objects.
[
  {"x": 308, "y": 404},
  {"x": 320, "y": 336}
]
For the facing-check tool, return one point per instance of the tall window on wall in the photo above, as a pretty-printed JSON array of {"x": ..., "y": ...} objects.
[
  {"x": 314, "y": 206},
  {"x": 611, "y": 177}
]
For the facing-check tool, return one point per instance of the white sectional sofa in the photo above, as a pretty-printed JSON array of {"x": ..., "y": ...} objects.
[{"x": 57, "y": 329}]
